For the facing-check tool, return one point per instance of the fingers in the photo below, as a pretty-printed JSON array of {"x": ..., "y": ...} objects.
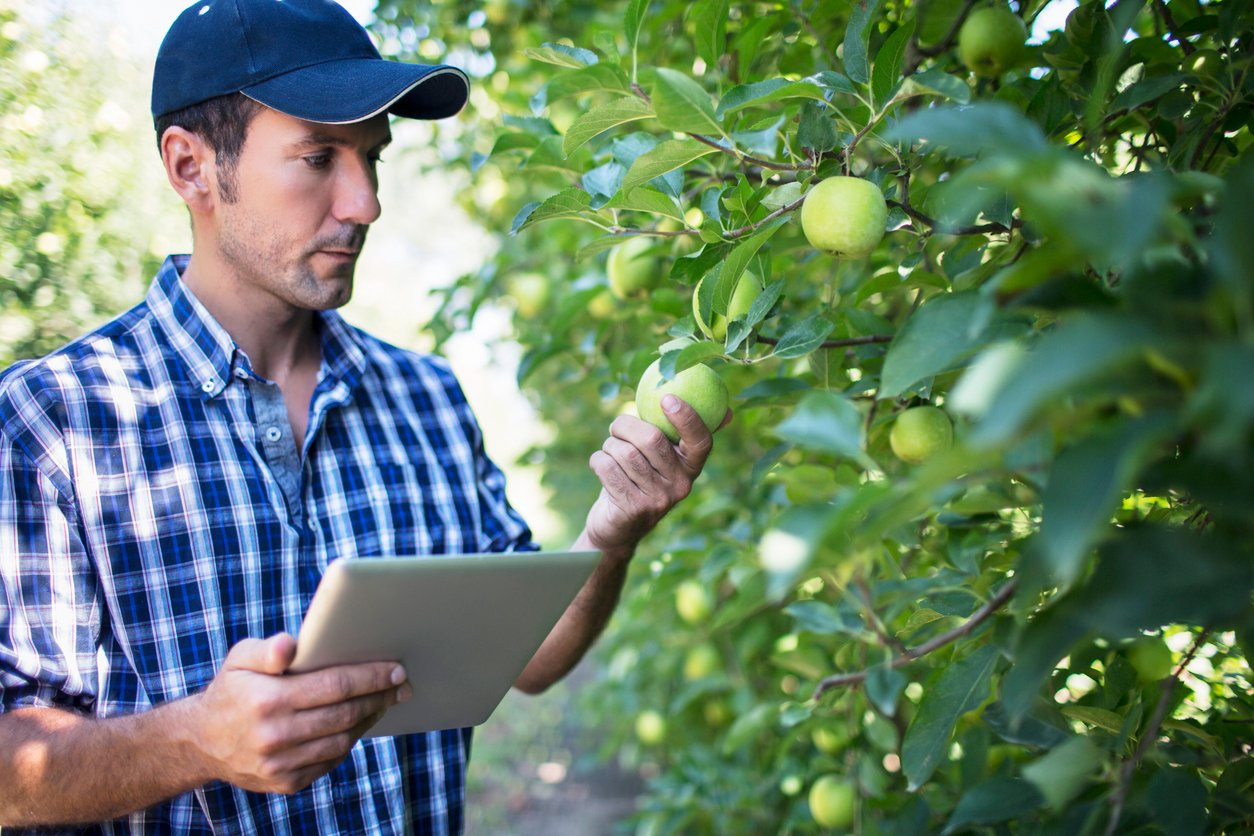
[
  {"x": 271, "y": 655},
  {"x": 354, "y": 716},
  {"x": 343, "y": 683},
  {"x": 695, "y": 439}
]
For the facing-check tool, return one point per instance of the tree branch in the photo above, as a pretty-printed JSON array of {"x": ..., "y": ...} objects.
[
  {"x": 1161, "y": 8},
  {"x": 745, "y": 158},
  {"x": 753, "y": 227},
  {"x": 915, "y": 53},
  {"x": 1149, "y": 736},
  {"x": 915, "y": 214},
  {"x": 977, "y": 618}
]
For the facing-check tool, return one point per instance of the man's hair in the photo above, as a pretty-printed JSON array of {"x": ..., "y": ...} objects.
[{"x": 222, "y": 123}]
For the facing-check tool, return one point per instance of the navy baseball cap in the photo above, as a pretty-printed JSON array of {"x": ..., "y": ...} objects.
[{"x": 307, "y": 58}]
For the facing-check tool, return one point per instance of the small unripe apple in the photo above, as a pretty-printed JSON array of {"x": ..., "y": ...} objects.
[
  {"x": 650, "y": 727},
  {"x": 844, "y": 216},
  {"x": 1151, "y": 659},
  {"x": 702, "y": 661},
  {"x": 991, "y": 41},
  {"x": 920, "y": 433},
  {"x": 693, "y": 602},
  {"x": 832, "y": 801},
  {"x": 698, "y": 386},
  {"x": 748, "y": 289},
  {"x": 530, "y": 292},
  {"x": 631, "y": 271}
]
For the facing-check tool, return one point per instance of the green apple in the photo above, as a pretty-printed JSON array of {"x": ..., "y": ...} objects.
[
  {"x": 693, "y": 602},
  {"x": 748, "y": 289},
  {"x": 920, "y": 433},
  {"x": 716, "y": 713},
  {"x": 702, "y": 661},
  {"x": 631, "y": 270},
  {"x": 1151, "y": 659},
  {"x": 830, "y": 739},
  {"x": 698, "y": 386},
  {"x": 650, "y": 727},
  {"x": 991, "y": 41},
  {"x": 602, "y": 305},
  {"x": 844, "y": 216},
  {"x": 832, "y": 801},
  {"x": 530, "y": 292},
  {"x": 1204, "y": 62}
]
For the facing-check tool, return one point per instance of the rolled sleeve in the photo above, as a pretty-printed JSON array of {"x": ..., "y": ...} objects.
[{"x": 49, "y": 610}]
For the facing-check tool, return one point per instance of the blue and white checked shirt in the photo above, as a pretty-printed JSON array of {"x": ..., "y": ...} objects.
[{"x": 145, "y": 529}]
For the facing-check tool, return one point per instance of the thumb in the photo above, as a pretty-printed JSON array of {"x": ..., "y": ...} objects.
[{"x": 271, "y": 655}]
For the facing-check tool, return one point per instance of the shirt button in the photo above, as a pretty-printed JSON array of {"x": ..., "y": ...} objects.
[
  {"x": 208, "y": 386},
  {"x": 273, "y": 434},
  {"x": 241, "y": 374}
]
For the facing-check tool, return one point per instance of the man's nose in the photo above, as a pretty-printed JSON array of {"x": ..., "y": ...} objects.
[{"x": 357, "y": 200}]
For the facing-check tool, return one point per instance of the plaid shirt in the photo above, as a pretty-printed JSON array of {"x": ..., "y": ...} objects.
[{"x": 144, "y": 531}]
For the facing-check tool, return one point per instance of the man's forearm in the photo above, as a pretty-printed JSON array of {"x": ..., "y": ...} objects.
[
  {"x": 580, "y": 625},
  {"x": 59, "y": 768}
]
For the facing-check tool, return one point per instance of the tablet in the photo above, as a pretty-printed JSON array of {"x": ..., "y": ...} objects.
[{"x": 464, "y": 626}]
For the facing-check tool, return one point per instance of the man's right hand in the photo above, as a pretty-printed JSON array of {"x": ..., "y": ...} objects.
[{"x": 265, "y": 731}]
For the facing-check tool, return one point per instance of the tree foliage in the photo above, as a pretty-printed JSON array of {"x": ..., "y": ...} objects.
[
  {"x": 78, "y": 201},
  {"x": 1065, "y": 273}
]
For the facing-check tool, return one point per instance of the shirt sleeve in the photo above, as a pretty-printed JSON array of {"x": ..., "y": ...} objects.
[{"x": 49, "y": 602}]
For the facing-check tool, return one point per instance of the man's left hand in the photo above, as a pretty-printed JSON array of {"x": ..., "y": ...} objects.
[{"x": 643, "y": 475}]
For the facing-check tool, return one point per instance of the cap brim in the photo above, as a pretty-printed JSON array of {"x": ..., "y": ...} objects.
[{"x": 350, "y": 90}]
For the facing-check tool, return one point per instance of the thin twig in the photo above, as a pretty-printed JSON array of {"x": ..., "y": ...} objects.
[
  {"x": 1162, "y": 9},
  {"x": 874, "y": 620},
  {"x": 774, "y": 166},
  {"x": 756, "y": 225},
  {"x": 1149, "y": 736},
  {"x": 915, "y": 53},
  {"x": 977, "y": 618}
]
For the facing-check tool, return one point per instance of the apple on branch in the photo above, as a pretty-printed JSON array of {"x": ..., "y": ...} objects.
[{"x": 844, "y": 216}]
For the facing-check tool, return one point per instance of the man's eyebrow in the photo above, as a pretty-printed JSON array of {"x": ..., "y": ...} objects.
[{"x": 323, "y": 140}]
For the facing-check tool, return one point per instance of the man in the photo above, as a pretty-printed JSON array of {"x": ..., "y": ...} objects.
[{"x": 173, "y": 485}]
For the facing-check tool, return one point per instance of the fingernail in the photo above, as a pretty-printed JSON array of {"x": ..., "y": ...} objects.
[
  {"x": 398, "y": 675},
  {"x": 670, "y": 403},
  {"x": 403, "y": 693}
]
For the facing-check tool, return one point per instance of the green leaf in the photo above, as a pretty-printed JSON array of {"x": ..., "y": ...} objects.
[
  {"x": 972, "y": 130},
  {"x": 598, "y": 78},
  {"x": 995, "y": 800},
  {"x": 1080, "y": 350},
  {"x": 737, "y": 261},
  {"x": 1145, "y": 90},
  {"x": 817, "y": 129},
  {"x": 1178, "y": 801},
  {"x": 946, "y": 330},
  {"x": 857, "y": 33},
  {"x": 1085, "y": 486},
  {"x": 667, "y": 156},
  {"x": 1061, "y": 773},
  {"x": 823, "y": 619},
  {"x": 961, "y": 687},
  {"x": 941, "y": 83},
  {"x": 602, "y": 118},
  {"x": 568, "y": 203},
  {"x": 709, "y": 20},
  {"x": 646, "y": 199},
  {"x": 683, "y": 105},
  {"x": 888, "y": 63},
  {"x": 883, "y": 688},
  {"x": 561, "y": 55},
  {"x": 633, "y": 18},
  {"x": 759, "y": 93},
  {"x": 674, "y": 362},
  {"x": 1101, "y": 718},
  {"x": 804, "y": 337},
  {"x": 825, "y": 422},
  {"x": 749, "y": 725}
]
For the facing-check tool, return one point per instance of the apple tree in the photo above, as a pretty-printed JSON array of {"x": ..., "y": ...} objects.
[
  {"x": 976, "y": 553},
  {"x": 81, "y": 202}
]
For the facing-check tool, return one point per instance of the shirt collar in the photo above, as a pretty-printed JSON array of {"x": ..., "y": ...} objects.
[{"x": 207, "y": 349}]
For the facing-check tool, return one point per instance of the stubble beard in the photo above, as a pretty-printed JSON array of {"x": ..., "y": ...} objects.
[{"x": 259, "y": 256}]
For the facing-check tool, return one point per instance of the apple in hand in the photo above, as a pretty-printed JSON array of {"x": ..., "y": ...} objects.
[
  {"x": 991, "y": 41},
  {"x": 844, "y": 216},
  {"x": 748, "y": 289},
  {"x": 631, "y": 271},
  {"x": 698, "y": 386}
]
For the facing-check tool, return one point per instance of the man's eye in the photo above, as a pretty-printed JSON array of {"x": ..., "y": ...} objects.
[{"x": 318, "y": 161}]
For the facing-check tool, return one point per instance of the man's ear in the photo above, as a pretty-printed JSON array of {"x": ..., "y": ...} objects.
[{"x": 189, "y": 166}]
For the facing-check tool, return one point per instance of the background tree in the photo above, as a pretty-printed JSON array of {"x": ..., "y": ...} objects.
[
  {"x": 83, "y": 219},
  {"x": 1044, "y": 624}
]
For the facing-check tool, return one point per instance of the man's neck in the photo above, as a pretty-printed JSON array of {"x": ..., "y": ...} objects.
[{"x": 279, "y": 339}]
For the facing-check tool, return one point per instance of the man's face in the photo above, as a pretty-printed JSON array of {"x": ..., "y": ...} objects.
[{"x": 306, "y": 194}]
